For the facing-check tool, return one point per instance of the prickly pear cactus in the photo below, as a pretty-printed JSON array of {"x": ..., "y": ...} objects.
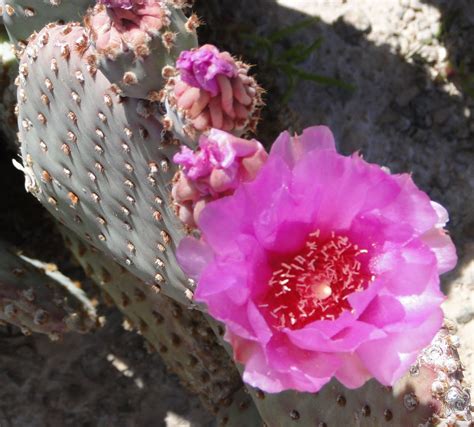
[
  {"x": 137, "y": 41},
  {"x": 239, "y": 411},
  {"x": 182, "y": 336},
  {"x": 230, "y": 101},
  {"x": 97, "y": 161},
  {"x": 36, "y": 299},
  {"x": 22, "y": 17},
  {"x": 432, "y": 393}
]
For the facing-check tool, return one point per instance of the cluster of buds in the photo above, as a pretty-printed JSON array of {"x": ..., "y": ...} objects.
[
  {"x": 210, "y": 89},
  {"x": 221, "y": 163}
]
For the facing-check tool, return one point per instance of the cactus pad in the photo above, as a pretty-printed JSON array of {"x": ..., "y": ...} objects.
[
  {"x": 37, "y": 300},
  {"x": 137, "y": 42},
  {"x": 23, "y": 17},
  {"x": 97, "y": 161},
  {"x": 181, "y": 336}
]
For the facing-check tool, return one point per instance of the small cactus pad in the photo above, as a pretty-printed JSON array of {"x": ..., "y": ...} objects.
[
  {"x": 431, "y": 394},
  {"x": 38, "y": 300},
  {"x": 137, "y": 43},
  {"x": 96, "y": 160},
  {"x": 182, "y": 336},
  {"x": 23, "y": 17}
]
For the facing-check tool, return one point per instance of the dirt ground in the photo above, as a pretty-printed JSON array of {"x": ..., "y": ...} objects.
[{"x": 411, "y": 108}]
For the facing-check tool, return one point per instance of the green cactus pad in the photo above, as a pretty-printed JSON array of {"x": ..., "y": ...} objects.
[
  {"x": 240, "y": 411},
  {"x": 97, "y": 161},
  {"x": 140, "y": 71},
  {"x": 36, "y": 298},
  {"x": 23, "y": 17}
]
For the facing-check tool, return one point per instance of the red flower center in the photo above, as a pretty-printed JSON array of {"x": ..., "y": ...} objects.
[{"x": 314, "y": 284}]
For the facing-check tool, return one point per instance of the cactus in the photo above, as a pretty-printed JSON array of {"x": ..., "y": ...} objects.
[
  {"x": 239, "y": 411},
  {"x": 113, "y": 198},
  {"x": 181, "y": 336},
  {"x": 210, "y": 89},
  {"x": 22, "y": 17},
  {"x": 136, "y": 42},
  {"x": 37, "y": 299},
  {"x": 97, "y": 161},
  {"x": 431, "y": 393}
]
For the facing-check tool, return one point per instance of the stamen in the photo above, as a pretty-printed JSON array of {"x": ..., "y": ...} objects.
[{"x": 316, "y": 282}]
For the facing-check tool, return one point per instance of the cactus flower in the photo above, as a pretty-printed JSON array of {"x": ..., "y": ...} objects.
[
  {"x": 213, "y": 90},
  {"x": 200, "y": 67},
  {"x": 222, "y": 162},
  {"x": 322, "y": 266}
]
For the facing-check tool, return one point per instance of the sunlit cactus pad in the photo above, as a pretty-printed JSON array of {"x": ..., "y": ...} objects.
[
  {"x": 22, "y": 17},
  {"x": 98, "y": 161},
  {"x": 136, "y": 42}
]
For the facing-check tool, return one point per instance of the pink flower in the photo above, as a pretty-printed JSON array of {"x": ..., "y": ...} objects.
[
  {"x": 323, "y": 266},
  {"x": 222, "y": 162},
  {"x": 200, "y": 67}
]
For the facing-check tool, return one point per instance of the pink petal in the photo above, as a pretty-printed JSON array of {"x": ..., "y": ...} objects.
[
  {"x": 257, "y": 374},
  {"x": 220, "y": 228},
  {"x": 341, "y": 188},
  {"x": 352, "y": 373},
  {"x": 442, "y": 213},
  {"x": 442, "y": 246},
  {"x": 300, "y": 369},
  {"x": 193, "y": 256},
  {"x": 348, "y": 339},
  {"x": 405, "y": 270},
  {"x": 292, "y": 149},
  {"x": 411, "y": 206},
  {"x": 389, "y": 358},
  {"x": 383, "y": 310}
]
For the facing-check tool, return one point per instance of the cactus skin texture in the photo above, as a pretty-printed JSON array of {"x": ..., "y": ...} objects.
[
  {"x": 240, "y": 411},
  {"x": 431, "y": 394},
  {"x": 137, "y": 59},
  {"x": 97, "y": 161},
  {"x": 38, "y": 300},
  {"x": 22, "y": 17},
  {"x": 182, "y": 337}
]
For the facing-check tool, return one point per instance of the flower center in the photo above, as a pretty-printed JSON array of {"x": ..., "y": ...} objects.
[{"x": 315, "y": 283}]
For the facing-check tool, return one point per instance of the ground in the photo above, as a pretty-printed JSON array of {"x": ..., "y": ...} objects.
[{"x": 410, "y": 110}]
